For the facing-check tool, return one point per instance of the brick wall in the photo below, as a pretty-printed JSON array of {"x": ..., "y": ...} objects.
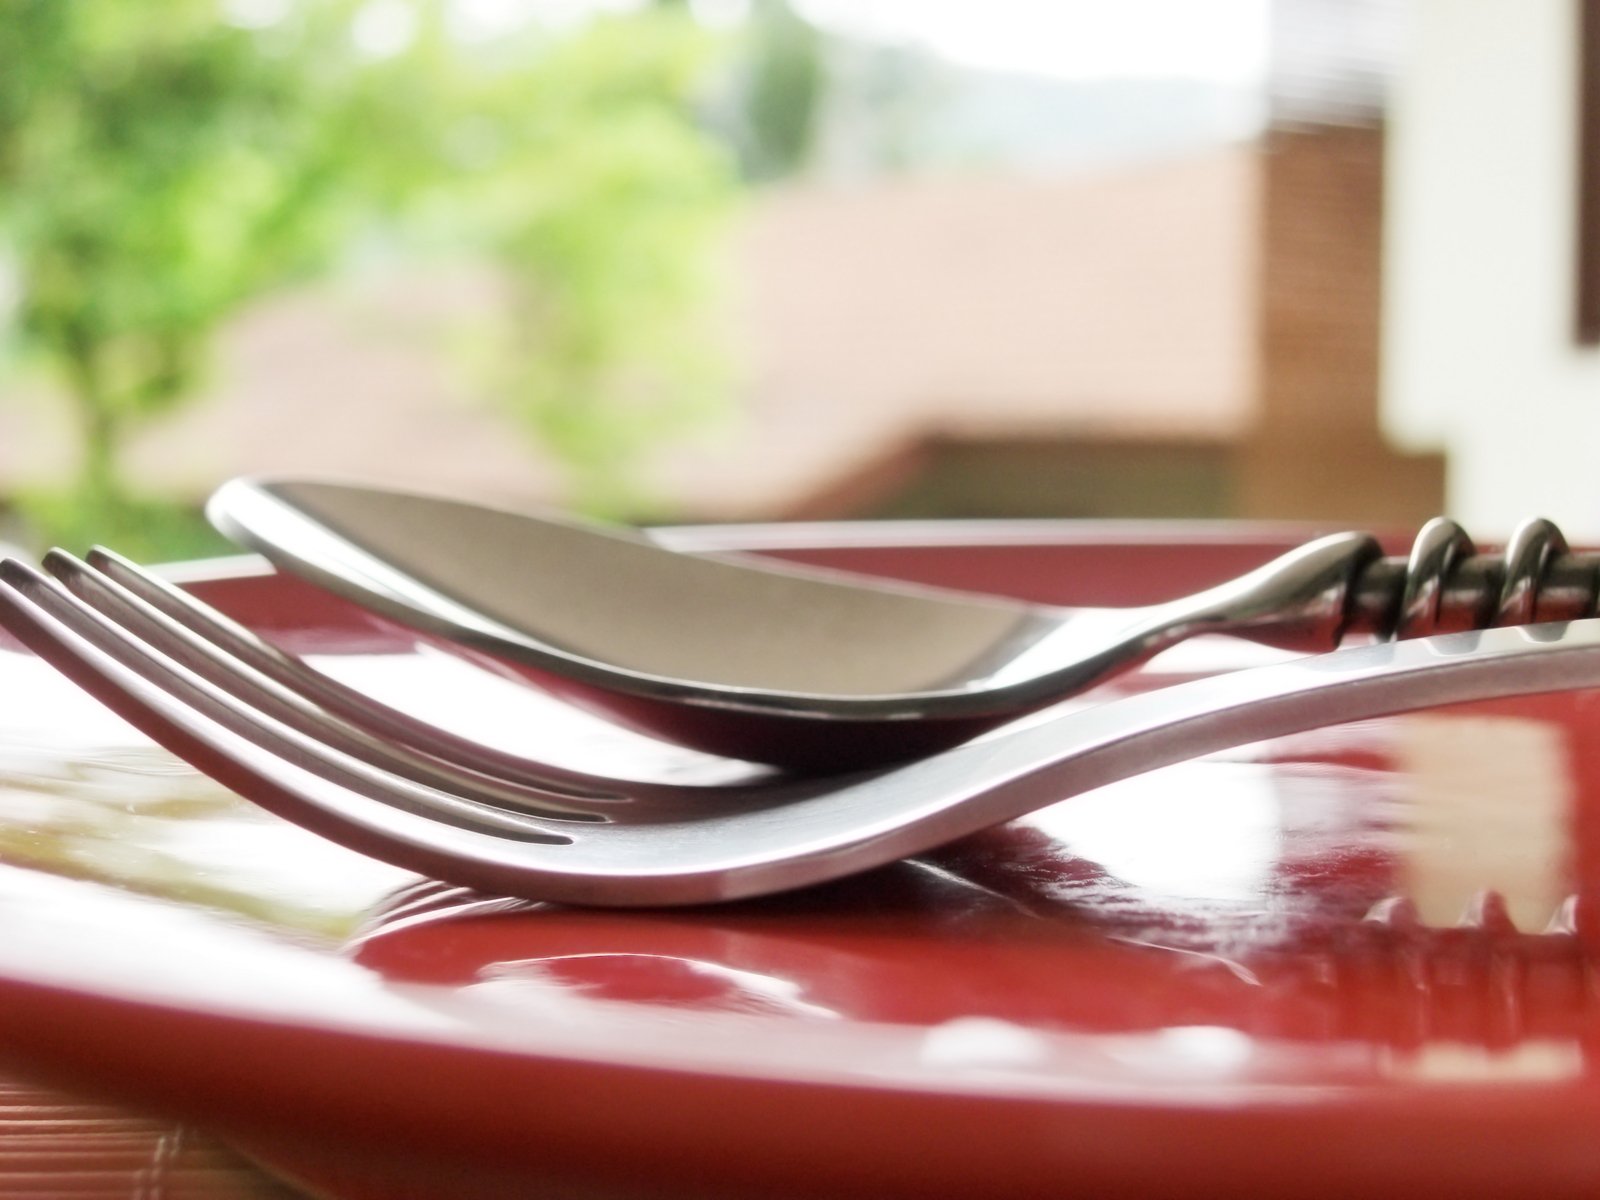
[{"x": 1315, "y": 451}]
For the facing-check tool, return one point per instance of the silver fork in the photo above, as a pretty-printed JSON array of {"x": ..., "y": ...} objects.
[{"x": 638, "y": 844}]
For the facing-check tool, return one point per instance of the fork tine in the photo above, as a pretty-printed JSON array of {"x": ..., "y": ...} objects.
[
  {"x": 266, "y": 695},
  {"x": 353, "y": 707},
  {"x": 342, "y": 798}
]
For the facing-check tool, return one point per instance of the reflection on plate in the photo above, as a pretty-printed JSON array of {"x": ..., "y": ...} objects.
[{"x": 1357, "y": 959}]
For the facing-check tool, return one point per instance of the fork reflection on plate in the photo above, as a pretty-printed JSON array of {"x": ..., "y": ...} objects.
[{"x": 337, "y": 764}]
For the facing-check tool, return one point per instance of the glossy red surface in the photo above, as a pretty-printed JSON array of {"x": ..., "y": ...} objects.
[{"x": 1356, "y": 961}]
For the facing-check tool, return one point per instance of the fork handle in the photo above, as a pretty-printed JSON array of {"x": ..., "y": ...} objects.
[{"x": 1446, "y": 585}]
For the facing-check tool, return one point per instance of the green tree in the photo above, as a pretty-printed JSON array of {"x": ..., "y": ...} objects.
[
  {"x": 155, "y": 174},
  {"x": 786, "y": 80},
  {"x": 577, "y": 163},
  {"x": 158, "y": 174}
]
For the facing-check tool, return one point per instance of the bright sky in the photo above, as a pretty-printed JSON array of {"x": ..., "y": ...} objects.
[{"x": 1222, "y": 40}]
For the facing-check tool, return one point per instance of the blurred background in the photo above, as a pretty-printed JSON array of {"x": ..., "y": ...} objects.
[{"x": 715, "y": 260}]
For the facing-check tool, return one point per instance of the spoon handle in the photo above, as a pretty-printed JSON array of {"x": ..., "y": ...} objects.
[
  {"x": 1446, "y": 585},
  {"x": 1315, "y": 595}
]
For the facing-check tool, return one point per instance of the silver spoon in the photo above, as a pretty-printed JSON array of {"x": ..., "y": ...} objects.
[{"x": 821, "y": 670}]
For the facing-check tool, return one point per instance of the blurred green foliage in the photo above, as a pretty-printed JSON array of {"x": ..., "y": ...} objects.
[
  {"x": 782, "y": 97},
  {"x": 143, "y": 527},
  {"x": 577, "y": 164},
  {"x": 160, "y": 170},
  {"x": 154, "y": 175}
]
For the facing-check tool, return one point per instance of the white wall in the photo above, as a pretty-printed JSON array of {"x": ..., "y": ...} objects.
[{"x": 1479, "y": 359}]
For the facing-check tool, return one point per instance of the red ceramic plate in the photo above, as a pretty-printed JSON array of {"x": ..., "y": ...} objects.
[{"x": 1359, "y": 961}]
